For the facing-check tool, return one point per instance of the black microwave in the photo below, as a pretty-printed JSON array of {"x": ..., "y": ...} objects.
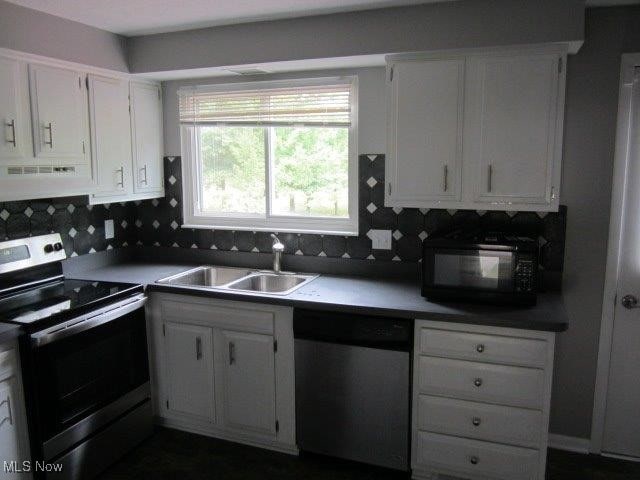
[{"x": 483, "y": 267}]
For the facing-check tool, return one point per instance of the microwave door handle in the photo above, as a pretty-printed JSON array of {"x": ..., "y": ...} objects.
[{"x": 87, "y": 322}]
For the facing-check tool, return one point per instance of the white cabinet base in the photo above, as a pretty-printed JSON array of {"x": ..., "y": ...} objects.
[
  {"x": 481, "y": 399},
  {"x": 246, "y": 360}
]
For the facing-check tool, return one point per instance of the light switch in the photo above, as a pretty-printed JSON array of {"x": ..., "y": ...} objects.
[
  {"x": 108, "y": 229},
  {"x": 380, "y": 239}
]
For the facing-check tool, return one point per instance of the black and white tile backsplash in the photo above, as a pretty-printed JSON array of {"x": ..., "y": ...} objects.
[
  {"x": 80, "y": 225},
  {"x": 158, "y": 223}
]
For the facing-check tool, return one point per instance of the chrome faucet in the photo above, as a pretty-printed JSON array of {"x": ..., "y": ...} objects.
[{"x": 277, "y": 249}]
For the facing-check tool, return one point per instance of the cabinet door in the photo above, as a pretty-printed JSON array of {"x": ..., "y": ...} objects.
[
  {"x": 189, "y": 367},
  {"x": 59, "y": 114},
  {"x": 425, "y": 132},
  {"x": 249, "y": 382},
  {"x": 14, "y": 110},
  {"x": 110, "y": 134},
  {"x": 10, "y": 436},
  {"x": 146, "y": 132},
  {"x": 512, "y": 140}
]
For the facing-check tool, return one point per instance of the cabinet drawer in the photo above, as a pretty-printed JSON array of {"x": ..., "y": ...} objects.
[
  {"x": 8, "y": 363},
  {"x": 504, "y": 385},
  {"x": 496, "y": 423},
  {"x": 475, "y": 458},
  {"x": 483, "y": 348}
]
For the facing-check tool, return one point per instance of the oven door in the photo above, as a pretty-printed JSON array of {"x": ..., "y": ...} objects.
[
  {"x": 490, "y": 271},
  {"x": 87, "y": 373}
]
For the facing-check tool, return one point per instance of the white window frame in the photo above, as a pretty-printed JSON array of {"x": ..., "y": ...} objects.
[{"x": 193, "y": 218}]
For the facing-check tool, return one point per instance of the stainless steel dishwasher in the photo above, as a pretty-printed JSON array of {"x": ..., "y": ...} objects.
[{"x": 352, "y": 386}]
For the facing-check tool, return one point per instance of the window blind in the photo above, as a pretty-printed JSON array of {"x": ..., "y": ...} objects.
[{"x": 319, "y": 105}]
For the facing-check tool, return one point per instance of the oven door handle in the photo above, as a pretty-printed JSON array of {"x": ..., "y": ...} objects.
[{"x": 88, "y": 321}]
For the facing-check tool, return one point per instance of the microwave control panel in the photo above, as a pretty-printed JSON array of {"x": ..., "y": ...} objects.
[{"x": 525, "y": 276}]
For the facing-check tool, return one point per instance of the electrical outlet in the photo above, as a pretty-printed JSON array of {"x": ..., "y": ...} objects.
[
  {"x": 380, "y": 239},
  {"x": 108, "y": 229}
]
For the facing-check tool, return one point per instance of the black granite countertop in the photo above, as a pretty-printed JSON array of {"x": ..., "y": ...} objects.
[{"x": 352, "y": 294}]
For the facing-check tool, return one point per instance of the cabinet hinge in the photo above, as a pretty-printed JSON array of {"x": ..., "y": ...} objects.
[
  {"x": 560, "y": 65},
  {"x": 275, "y": 345},
  {"x": 391, "y": 74},
  {"x": 277, "y": 426},
  {"x": 389, "y": 188},
  {"x": 164, "y": 330}
]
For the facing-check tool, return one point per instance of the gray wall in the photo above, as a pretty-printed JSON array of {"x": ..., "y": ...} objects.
[
  {"x": 589, "y": 141},
  {"x": 371, "y": 105},
  {"x": 35, "y": 32},
  {"x": 466, "y": 23}
]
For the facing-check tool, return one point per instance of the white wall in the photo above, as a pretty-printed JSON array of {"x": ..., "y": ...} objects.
[{"x": 371, "y": 105}]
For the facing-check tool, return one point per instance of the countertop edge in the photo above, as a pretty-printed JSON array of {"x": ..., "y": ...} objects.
[{"x": 555, "y": 327}]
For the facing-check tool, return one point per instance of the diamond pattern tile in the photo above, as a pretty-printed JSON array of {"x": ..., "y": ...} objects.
[{"x": 158, "y": 223}]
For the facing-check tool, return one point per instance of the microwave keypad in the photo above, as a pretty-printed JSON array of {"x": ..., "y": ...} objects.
[{"x": 524, "y": 276}]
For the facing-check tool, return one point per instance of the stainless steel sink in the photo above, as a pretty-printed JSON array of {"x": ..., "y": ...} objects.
[
  {"x": 240, "y": 279},
  {"x": 207, "y": 276},
  {"x": 280, "y": 283}
]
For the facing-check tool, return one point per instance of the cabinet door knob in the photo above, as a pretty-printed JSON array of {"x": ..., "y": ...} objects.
[
  {"x": 474, "y": 460},
  {"x": 476, "y": 421},
  {"x": 480, "y": 348},
  {"x": 477, "y": 382}
]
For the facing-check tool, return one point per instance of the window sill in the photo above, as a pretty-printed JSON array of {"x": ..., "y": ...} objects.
[{"x": 340, "y": 233}]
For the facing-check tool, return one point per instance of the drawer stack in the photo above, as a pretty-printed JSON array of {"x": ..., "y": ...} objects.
[{"x": 480, "y": 401}]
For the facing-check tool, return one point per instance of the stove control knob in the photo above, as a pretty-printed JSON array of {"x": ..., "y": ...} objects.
[
  {"x": 57, "y": 246},
  {"x": 48, "y": 248}
]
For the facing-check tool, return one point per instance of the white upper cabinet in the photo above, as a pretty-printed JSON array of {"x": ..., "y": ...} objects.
[
  {"x": 15, "y": 142},
  {"x": 249, "y": 389},
  {"x": 425, "y": 131},
  {"x": 476, "y": 130},
  {"x": 146, "y": 131},
  {"x": 59, "y": 114},
  {"x": 110, "y": 134},
  {"x": 512, "y": 147}
]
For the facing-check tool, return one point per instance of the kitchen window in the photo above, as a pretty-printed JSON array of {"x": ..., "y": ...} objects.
[{"x": 271, "y": 156}]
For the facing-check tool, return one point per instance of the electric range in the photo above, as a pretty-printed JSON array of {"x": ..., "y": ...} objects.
[{"x": 83, "y": 355}]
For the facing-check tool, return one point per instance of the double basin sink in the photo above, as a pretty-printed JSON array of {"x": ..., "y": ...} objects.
[{"x": 240, "y": 279}]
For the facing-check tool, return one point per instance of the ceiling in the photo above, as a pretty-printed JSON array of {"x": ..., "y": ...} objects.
[{"x": 140, "y": 17}]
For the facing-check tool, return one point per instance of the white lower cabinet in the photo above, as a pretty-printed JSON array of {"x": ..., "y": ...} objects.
[
  {"x": 480, "y": 401},
  {"x": 189, "y": 370},
  {"x": 249, "y": 382},
  {"x": 224, "y": 368},
  {"x": 13, "y": 423}
]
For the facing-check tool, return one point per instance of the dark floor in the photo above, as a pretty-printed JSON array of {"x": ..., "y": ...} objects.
[{"x": 171, "y": 454}]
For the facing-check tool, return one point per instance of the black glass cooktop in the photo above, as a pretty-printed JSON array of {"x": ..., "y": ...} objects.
[{"x": 60, "y": 300}]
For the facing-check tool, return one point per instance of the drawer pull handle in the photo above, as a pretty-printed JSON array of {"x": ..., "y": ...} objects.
[
  {"x": 477, "y": 382},
  {"x": 480, "y": 348},
  {"x": 474, "y": 460},
  {"x": 476, "y": 421}
]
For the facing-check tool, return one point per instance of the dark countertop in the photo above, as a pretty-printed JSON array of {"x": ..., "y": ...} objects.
[
  {"x": 352, "y": 294},
  {"x": 9, "y": 332}
]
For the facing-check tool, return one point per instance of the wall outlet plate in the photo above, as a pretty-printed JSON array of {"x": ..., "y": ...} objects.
[
  {"x": 380, "y": 239},
  {"x": 108, "y": 229}
]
